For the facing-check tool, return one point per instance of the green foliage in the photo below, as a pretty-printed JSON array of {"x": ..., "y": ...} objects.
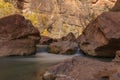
[
  {"x": 76, "y": 30},
  {"x": 33, "y": 17}
]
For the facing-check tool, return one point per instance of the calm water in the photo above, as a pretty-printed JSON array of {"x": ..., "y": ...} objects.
[
  {"x": 31, "y": 68},
  {"x": 28, "y": 68}
]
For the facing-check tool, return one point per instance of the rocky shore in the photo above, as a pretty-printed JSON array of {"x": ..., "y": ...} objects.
[{"x": 83, "y": 68}]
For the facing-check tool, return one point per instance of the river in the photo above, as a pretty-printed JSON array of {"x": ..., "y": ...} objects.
[{"x": 30, "y": 67}]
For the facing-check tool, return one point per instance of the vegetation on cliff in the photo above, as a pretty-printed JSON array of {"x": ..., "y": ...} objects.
[{"x": 7, "y": 8}]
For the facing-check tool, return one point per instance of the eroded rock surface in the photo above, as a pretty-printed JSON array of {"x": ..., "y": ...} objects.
[{"x": 80, "y": 68}]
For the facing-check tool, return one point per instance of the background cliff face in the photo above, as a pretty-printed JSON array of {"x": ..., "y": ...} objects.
[{"x": 59, "y": 17}]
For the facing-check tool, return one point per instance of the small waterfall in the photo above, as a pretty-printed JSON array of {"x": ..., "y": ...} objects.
[
  {"x": 79, "y": 52},
  {"x": 43, "y": 56}
]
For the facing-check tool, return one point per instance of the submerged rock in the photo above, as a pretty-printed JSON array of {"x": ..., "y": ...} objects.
[
  {"x": 80, "y": 68},
  {"x": 102, "y": 36},
  {"x": 17, "y": 36}
]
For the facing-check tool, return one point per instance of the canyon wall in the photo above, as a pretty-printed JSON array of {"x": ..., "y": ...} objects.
[{"x": 59, "y": 17}]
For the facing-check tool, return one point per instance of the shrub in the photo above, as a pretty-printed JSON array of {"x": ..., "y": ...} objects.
[{"x": 33, "y": 17}]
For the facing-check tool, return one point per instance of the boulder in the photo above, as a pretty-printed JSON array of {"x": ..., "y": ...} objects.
[
  {"x": 63, "y": 47},
  {"x": 102, "y": 36},
  {"x": 81, "y": 68},
  {"x": 69, "y": 37},
  {"x": 17, "y": 36}
]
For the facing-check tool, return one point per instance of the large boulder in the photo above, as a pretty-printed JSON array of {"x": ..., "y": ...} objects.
[
  {"x": 63, "y": 47},
  {"x": 102, "y": 36},
  {"x": 17, "y": 36},
  {"x": 80, "y": 68}
]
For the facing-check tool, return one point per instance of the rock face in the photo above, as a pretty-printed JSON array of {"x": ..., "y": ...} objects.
[
  {"x": 63, "y": 16},
  {"x": 17, "y": 36},
  {"x": 80, "y": 68},
  {"x": 102, "y": 36}
]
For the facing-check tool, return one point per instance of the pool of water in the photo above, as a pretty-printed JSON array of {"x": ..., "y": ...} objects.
[
  {"x": 29, "y": 68},
  {"x": 32, "y": 67}
]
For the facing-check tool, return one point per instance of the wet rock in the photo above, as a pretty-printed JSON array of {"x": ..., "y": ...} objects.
[
  {"x": 102, "y": 36},
  {"x": 80, "y": 68},
  {"x": 63, "y": 47},
  {"x": 17, "y": 36}
]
